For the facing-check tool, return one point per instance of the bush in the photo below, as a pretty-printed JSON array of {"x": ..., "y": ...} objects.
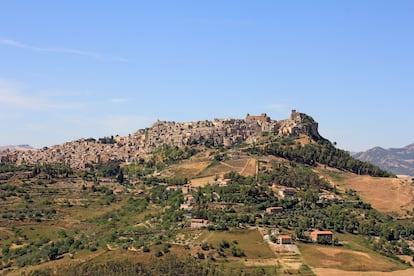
[
  {"x": 224, "y": 244},
  {"x": 205, "y": 246},
  {"x": 236, "y": 252}
]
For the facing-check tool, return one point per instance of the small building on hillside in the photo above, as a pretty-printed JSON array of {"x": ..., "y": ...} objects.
[
  {"x": 199, "y": 223},
  {"x": 186, "y": 207},
  {"x": 262, "y": 118},
  {"x": 221, "y": 182},
  {"x": 287, "y": 192},
  {"x": 172, "y": 188},
  {"x": 274, "y": 210},
  {"x": 189, "y": 199},
  {"x": 284, "y": 239},
  {"x": 317, "y": 236}
]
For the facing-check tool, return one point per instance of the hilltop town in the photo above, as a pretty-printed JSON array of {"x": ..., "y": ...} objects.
[
  {"x": 226, "y": 132},
  {"x": 256, "y": 193}
]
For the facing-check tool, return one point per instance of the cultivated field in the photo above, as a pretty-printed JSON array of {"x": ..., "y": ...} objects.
[
  {"x": 249, "y": 241},
  {"x": 189, "y": 169},
  {"x": 354, "y": 255}
]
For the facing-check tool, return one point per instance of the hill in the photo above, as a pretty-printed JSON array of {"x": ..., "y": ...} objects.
[
  {"x": 222, "y": 193},
  {"x": 396, "y": 160},
  {"x": 206, "y": 134}
]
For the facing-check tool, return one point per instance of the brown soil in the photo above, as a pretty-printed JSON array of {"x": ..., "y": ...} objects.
[
  {"x": 337, "y": 272},
  {"x": 384, "y": 194},
  {"x": 249, "y": 168}
]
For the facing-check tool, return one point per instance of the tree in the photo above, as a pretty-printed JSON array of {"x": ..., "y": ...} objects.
[
  {"x": 52, "y": 253},
  {"x": 120, "y": 177}
]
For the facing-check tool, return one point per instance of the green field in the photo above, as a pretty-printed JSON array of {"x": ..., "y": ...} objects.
[{"x": 249, "y": 241}]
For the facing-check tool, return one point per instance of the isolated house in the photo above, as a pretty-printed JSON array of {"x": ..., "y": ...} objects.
[
  {"x": 287, "y": 192},
  {"x": 172, "y": 188},
  {"x": 274, "y": 210},
  {"x": 284, "y": 239},
  {"x": 189, "y": 199},
  {"x": 318, "y": 235},
  {"x": 186, "y": 206},
  {"x": 223, "y": 182},
  {"x": 199, "y": 223}
]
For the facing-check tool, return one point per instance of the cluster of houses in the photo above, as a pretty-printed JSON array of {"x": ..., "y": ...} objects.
[
  {"x": 315, "y": 236},
  {"x": 78, "y": 153},
  {"x": 140, "y": 144}
]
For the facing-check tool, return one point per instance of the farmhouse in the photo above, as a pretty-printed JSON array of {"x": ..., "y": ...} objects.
[
  {"x": 284, "y": 239},
  {"x": 223, "y": 182},
  {"x": 186, "y": 206},
  {"x": 199, "y": 223},
  {"x": 274, "y": 210},
  {"x": 172, "y": 188},
  {"x": 287, "y": 192},
  {"x": 189, "y": 199},
  {"x": 317, "y": 235}
]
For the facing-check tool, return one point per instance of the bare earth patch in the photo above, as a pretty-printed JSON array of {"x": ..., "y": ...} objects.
[
  {"x": 250, "y": 168},
  {"x": 203, "y": 181},
  {"x": 337, "y": 272},
  {"x": 384, "y": 194},
  {"x": 261, "y": 262},
  {"x": 189, "y": 169},
  {"x": 347, "y": 260}
]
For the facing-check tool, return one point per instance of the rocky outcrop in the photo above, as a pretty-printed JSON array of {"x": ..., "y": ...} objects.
[
  {"x": 226, "y": 132},
  {"x": 299, "y": 123}
]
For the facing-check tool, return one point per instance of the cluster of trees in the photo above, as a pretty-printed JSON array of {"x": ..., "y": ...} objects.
[
  {"x": 170, "y": 265},
  {"x": 302, "y": 213},
  {"x": 170, "y": 154},
  {"x": 111, "y": 169},
  {"x": 324, "y": 153},
  {"x": 40, "y": 251},
  {"x": 8, "y": 167},
  {"x": 28, "y": 214},
  {"x": 52, "y": 170},
  {"x": 293, "y": 175}
]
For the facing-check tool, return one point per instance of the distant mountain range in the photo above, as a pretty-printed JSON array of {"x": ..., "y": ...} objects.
[
  {"x": 16, "y": 147},
  {"x": 396, "y": 160}
]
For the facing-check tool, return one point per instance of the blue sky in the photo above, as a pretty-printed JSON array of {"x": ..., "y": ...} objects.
[{"x": 72, "y": 69}]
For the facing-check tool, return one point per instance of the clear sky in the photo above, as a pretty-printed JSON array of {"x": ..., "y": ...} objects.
[{"x": 72, "y": 69}]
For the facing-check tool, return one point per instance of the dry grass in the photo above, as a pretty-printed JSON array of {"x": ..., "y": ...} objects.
[
  {"x": 345, "y": 259},
  {"x": 249, "y": 168},
  {"x": 384, "y": 194},
  {"x": 203, "y": 181},
  {"x": 250, "y": 241},
  {"x": 189, "y": 169},
  {"x": 338, "y": 272}
]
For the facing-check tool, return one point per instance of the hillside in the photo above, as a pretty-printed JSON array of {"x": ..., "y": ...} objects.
[
  {"x": 396, "y": 160},
  {"x": 16, "y": 148},
  {"x": 240, "y": 196},
  {"x": 218, "y": 132}
]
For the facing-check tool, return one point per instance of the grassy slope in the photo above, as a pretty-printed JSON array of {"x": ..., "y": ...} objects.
[
  {"x": 354, "y": 255},
  {"x": 384, "y": 194}
]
